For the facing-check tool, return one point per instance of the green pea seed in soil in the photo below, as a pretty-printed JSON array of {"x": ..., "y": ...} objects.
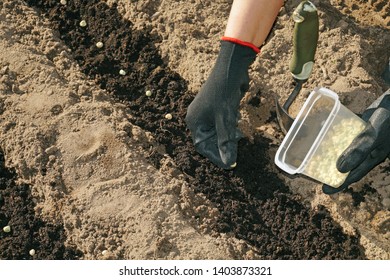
[{"x": 254, "y": 203}]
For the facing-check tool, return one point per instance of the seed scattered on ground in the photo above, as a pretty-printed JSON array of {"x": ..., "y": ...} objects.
[
  {"x": 168, "y": 116},
  {"x": 99, "y": 45},
  {"x": 83, "y": 23},
  {"x": 104, "y": 252},
  {"x": 233, "y": 165},
  {"x": 148, "y": 93},
  {"x": 122, "y": 72},
  {"x": 63, "y": 2},
  {"x": 32, "y": 252},
  {"x": 7, "y": 229}
]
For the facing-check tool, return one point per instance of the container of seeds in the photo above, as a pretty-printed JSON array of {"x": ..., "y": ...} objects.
[{"x": 321, "y": 132}]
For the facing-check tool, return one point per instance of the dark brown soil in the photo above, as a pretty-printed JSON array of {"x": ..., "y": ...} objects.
[
  {"x": 254, "y": 203},
  {"x": 27, "y": 231}
]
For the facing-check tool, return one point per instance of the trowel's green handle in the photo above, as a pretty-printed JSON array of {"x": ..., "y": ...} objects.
[{"x": 305, "y": 40}]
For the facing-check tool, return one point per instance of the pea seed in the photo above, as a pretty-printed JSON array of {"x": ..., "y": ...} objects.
[
  {"x": 168, "y": 116},
  {"x": 7, "y": 229},
  {"x": 322, "y": 166},
  {"x": 32, "y": 252},
  {"x": 99, "y": 45},
  {"x": 148, "y": 93},
  {"x": 83, "y": 23},
  {"x": 122, "y": 72}
]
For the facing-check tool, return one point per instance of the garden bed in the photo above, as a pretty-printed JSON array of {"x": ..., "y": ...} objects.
[{"x": 103, "y": 168}]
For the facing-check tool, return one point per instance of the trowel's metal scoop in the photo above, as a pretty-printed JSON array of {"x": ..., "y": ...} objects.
[
  {"x": 301, "y": 65},
  {"x": 284, "y": 118}
]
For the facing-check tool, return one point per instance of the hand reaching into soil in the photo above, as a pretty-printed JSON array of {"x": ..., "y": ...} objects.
[
  {"x": 369, "y": 148},
  {"x": 213, "y": 114}
]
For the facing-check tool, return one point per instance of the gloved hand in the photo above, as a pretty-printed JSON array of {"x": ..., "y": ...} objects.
[
  {"x": 213, "y": 115},
  {"x": 369, "y": 148}
]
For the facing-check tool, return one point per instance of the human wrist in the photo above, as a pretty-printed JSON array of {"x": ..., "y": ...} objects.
[
  {"x": 382, "y": 102},
  {"x": 241, "y": 42}
]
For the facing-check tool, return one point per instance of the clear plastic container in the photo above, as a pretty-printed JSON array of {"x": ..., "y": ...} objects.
[{"x": 320, "y": 133}]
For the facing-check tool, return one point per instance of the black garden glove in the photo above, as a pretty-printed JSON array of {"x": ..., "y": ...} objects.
[
  {"x": 369, "y": 148},
  {"x": 213, "y": 115}
]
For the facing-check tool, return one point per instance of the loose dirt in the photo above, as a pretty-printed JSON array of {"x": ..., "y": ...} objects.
[{"x": 101, "y": 167}]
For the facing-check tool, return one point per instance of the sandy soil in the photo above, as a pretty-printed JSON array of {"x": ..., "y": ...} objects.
[{"x": 88, "y": 164}]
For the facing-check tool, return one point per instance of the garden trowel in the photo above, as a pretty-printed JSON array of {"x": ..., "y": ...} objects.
[{"x": 301, "y": 65}]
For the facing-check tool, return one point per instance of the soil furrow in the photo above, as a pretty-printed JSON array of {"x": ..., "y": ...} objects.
[
  {"x": 28, "y": 232},
  {"x": 254, "y": 203}
]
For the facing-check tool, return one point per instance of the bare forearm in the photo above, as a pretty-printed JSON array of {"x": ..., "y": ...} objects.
[{"x": 252, "y": 20}]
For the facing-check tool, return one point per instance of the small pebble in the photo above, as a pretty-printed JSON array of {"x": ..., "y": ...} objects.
[
  {"x": 168, "y": 116},
  {"x": 99, "y": 45},
  {"x": 148, "y": 93},
  {"x": 83, "y": 23},
  {"x": 32, "y": 252},
  {"x": 122, "y": 72},
  {"x": 7, "y": 229}
]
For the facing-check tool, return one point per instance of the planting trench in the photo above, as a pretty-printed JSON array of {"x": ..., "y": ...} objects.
[
  {"x": 255, "y": 205},
  {"x": 27, "y": 230}
]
